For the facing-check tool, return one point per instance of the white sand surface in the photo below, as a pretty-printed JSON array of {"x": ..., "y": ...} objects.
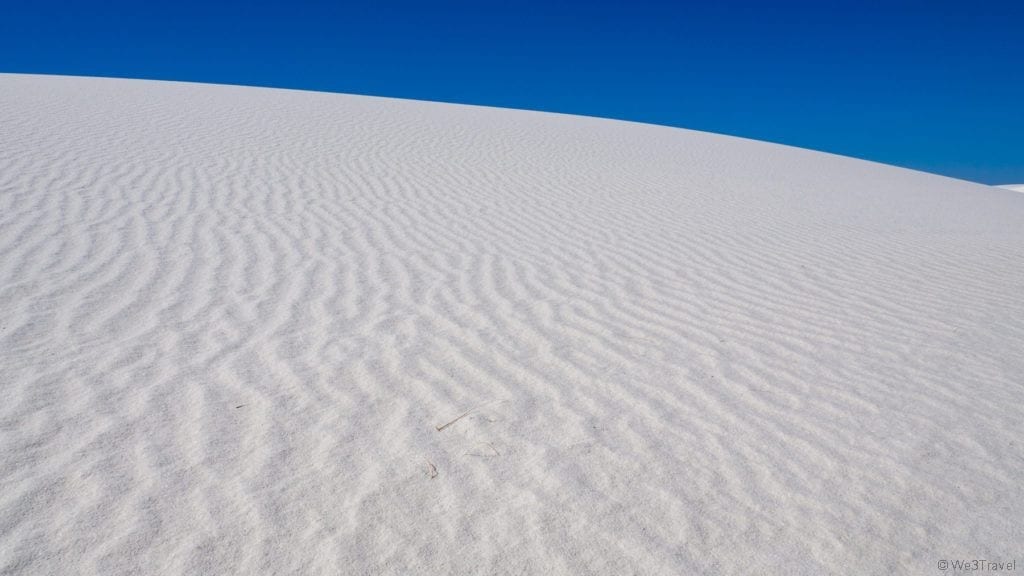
[
  {"x": 254, "y": 331},
  {"x": 1014, "y": 187}
]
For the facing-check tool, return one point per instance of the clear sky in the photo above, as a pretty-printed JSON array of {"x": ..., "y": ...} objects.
[{"x": 933, "y": 85}]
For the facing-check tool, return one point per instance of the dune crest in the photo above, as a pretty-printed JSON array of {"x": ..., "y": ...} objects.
[{"x": 252, "y": 331}]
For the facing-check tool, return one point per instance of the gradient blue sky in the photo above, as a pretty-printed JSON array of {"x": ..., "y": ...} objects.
[{"x": 935, "y": 86}]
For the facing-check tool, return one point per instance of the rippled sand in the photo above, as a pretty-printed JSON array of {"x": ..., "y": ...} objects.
[{"x": 250, "y": 331}]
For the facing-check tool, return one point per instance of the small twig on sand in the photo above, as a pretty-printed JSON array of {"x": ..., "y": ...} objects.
[
  {"x": 431, "y": 469},
  {"x": 461, "y": 416},
  {"x": 239, "y": 406},
  {"x": 467, "y": 413}
]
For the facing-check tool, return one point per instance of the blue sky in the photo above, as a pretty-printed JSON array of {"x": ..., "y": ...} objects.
[{"x": 935, "y": 86}]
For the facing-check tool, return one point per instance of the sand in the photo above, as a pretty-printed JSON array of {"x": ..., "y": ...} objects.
[{"x": 255, "y": 331}]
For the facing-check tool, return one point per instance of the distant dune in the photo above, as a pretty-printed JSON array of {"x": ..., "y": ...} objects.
[
  {"x": 1014, "y": 187},
  {"x": 255, "y": 331}
]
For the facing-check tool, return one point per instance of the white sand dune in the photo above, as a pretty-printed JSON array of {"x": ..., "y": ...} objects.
[
  {"x": 233, "y": 320},
  {"x": 1014, "y": 187}
]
